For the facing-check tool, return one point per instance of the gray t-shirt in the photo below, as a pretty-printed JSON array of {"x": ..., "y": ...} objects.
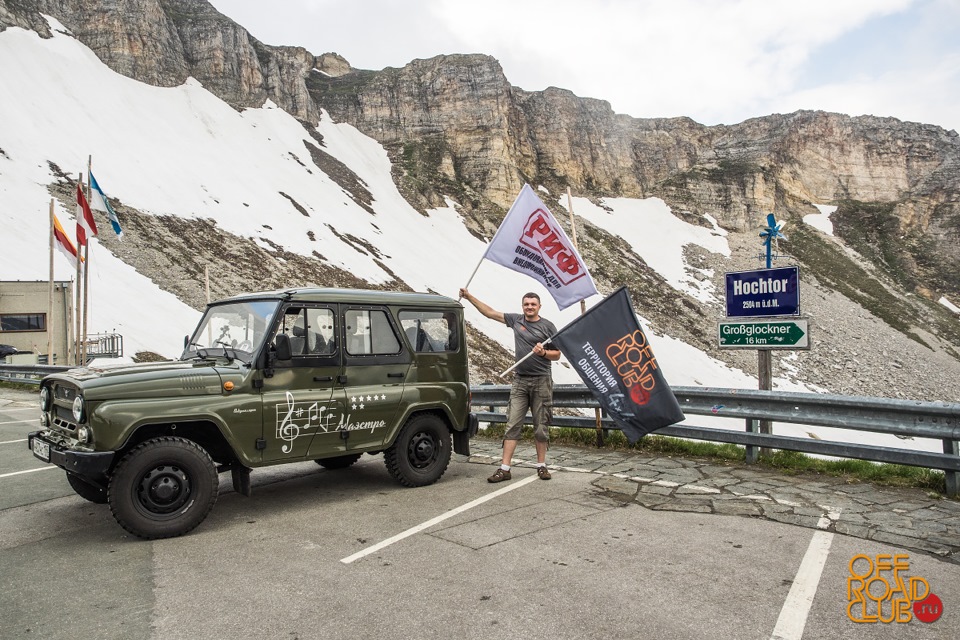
[{"x": 525, "y": 336}]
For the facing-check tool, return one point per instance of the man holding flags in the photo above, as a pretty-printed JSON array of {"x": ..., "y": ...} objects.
[
  {"x": 607, "y": 344},
  {"x": 531, "y": 241},
  {"x": 532, "y": 387}
]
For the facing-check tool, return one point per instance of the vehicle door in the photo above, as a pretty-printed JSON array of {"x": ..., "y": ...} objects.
[
  {"x": 302, "y": 397},
  {"x": 375, "y": 367}
]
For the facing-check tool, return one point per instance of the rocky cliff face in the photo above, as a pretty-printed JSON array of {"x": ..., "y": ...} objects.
[
  {"x": 162, "y": 42},
  {"x": 455, "y": 125},
  {"x": 491, "y": 138}
]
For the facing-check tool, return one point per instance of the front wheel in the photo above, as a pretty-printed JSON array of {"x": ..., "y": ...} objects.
[
  {"x": 421, "y": 452},
  {"x": 163, "y": 488},
  {"x": 86, "y": 490}
]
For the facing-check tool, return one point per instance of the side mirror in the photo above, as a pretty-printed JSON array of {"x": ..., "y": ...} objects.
[{"x": 282, "y": 343}]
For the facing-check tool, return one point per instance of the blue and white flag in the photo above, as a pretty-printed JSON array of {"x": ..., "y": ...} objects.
[{"x": 98, "y": 201}]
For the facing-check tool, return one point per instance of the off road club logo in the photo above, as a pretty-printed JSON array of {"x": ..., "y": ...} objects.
[
  {"x": 880, "y": 591},
  {"x": 635, "y": 364}
]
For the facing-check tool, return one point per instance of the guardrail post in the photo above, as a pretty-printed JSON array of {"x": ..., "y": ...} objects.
[
  {"x": 753, "y": 426},
  {"x": 952, "y": 447}
]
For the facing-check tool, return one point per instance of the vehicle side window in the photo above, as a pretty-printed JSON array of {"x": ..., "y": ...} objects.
[
  {"x": 428, "y": 331},
  {"x": 369, "y": 332},
  {"x": 312, "y": 331}
]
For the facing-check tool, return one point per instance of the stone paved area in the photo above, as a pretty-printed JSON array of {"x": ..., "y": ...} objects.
[{"x": 911, "y": 518}]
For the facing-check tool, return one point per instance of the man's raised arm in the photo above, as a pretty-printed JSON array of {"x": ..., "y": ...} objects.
[{"x": 483, "y": 307}]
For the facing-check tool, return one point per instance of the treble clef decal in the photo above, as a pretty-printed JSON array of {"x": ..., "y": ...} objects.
[{"x": 288, "y": 430}]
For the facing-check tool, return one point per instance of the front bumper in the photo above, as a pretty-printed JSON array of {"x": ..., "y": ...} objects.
[{"x": 86, "y": 464}]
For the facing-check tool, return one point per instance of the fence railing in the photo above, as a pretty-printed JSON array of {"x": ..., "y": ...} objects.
[
  {"x": 27, "y": 374},
  {"x": 905, "y": 418}
]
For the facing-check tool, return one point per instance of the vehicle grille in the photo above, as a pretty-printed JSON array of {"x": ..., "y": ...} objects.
[
  {"x": 61, "y": 392},
  {"x": 61, "y": 414}
]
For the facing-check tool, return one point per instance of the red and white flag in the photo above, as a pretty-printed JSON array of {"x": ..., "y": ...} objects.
[
  {"x": 62, "y": 241},
  {"x": 530, "y": 241},
  {"x": 86, "y": 225}
]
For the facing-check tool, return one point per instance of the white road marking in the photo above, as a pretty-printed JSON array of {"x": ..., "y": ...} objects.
[
  {"x": 13, "y": 441},
  {"x": 793, "y": 615},
  {"x": 429, "y": 523},
  {"x": 21, "y": 421},
  {"x": 17, "y": 473}
]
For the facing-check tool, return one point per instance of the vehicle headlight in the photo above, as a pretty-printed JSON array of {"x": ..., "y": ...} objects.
[
  {"x": 45, "y": 399},
  {"x": 84, "y": 434},
  {"x": 78, "y": 409}
]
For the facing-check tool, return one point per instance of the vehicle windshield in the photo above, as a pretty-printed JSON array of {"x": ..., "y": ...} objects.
[{"x": 235, "y": 330}]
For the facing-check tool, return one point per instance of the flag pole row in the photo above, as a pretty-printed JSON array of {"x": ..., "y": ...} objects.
[{"x": 78, "y": 255}]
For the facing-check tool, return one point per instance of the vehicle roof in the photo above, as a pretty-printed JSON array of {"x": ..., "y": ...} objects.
[{"x": 352, "y": 296}]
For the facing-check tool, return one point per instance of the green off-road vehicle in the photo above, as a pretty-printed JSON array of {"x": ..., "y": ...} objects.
[{"x": 266, "y": 379}]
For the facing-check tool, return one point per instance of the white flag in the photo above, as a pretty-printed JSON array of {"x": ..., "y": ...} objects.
[{"x": 530, "y": 241}]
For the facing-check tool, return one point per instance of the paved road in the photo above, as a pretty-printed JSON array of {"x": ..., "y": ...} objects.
[{"x": 579, "y": 556}]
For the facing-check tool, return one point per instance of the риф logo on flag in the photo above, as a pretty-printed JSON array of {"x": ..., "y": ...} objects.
[{"x": 550, "y": 250}]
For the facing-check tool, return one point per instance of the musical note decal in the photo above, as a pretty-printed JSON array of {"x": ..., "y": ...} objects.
[
  {"x": 288, "y": 431},
  {"x": 298, "y": 419}
]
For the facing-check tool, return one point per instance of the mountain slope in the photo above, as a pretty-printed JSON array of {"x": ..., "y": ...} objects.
[{"x": 397, "y": 178}]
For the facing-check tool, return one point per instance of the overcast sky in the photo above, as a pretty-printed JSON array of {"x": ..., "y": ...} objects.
[{"x": 716, "y": 61}]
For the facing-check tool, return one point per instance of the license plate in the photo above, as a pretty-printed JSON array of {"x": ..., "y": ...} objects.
[{"x": 41, "y": 449}]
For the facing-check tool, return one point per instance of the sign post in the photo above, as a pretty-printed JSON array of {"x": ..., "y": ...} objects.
[{"x": 764, "y": 293}]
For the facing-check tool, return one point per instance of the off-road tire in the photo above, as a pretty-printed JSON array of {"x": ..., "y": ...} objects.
[
  {"x": 421, "y": 452},
  {"x": 163, "y": 488},
  {"x": 340, "y": 462},
  {"x": 86, "y": 490}
]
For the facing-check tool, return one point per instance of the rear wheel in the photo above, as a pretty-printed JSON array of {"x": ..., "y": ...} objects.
[
  {"x": 421, "y": 452},
  {"x": 86, "y": 490},
  {"x": 340, "y": 462},
  {"x": 163, "y": 488}
]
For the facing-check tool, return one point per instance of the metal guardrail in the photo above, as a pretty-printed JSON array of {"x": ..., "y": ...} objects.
[
  {"x": 936, "y": 420},
  {"x": 28, "y": 374}
]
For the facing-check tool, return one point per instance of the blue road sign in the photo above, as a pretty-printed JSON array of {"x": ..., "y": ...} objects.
[{"x": 763, "y": 293}]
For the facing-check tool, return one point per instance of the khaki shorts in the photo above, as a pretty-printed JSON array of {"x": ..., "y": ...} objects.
[{"x": 533, "y": 393}]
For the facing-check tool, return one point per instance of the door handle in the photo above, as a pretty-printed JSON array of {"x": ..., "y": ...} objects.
[
  {"x": 394, "y": 375},
  {"x": 322, "y": 378}
]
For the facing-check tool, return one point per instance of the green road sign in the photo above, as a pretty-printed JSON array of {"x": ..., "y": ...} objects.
[{"x": 764, "y": 334}]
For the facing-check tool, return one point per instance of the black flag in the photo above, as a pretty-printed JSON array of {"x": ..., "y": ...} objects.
[{"x": 611, "y": 353}]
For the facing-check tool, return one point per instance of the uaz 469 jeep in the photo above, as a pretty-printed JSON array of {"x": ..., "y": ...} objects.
[{"x": 266, "y": 379}]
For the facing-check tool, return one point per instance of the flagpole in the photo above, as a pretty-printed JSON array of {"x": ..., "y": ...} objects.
[
  {"x": 583, "y": 307},
  {"x": 86, "y": 279},
  {"x": 517, "y": 363},
  {"x": 50, "y": 322},
  {"x": 470, "y": 279},
  {"x": 78, "y": 335}
]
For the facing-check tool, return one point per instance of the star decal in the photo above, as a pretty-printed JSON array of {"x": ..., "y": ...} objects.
[{"x": 358, "y": 401}]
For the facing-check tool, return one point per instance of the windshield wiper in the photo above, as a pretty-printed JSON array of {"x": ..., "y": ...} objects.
[{"x": 225, "y": 348}]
